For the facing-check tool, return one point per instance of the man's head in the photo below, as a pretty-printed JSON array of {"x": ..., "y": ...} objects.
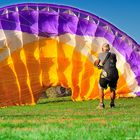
[{"x": 106, "y": 48}]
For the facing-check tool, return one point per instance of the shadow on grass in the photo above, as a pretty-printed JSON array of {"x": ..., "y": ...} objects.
[
  {"x": 5, "y": 116},
  {"x": 43, "y": 101}
]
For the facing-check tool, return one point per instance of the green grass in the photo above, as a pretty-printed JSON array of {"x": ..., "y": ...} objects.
[{"x": 62, "y": 119}]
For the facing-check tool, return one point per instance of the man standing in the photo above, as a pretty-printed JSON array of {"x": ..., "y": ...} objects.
[{"x": 109, "y": 75}]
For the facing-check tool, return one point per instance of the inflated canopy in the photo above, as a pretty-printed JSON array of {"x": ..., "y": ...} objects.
[{"x": 43, "y": 45}]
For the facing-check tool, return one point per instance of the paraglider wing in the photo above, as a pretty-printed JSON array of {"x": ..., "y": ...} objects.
[{"x": 43, "y": 45}]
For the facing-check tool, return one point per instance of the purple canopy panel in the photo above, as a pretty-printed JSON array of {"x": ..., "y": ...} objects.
[
  {"x": 67, "y": 23},
  {"x": 29, "y": 21},
  {"x": 48, "y": 24}
]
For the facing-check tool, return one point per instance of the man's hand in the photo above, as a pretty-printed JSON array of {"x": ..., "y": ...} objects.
[{"x": 96, "y": 62}]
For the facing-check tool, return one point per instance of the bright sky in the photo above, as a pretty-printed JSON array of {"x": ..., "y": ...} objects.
[{"x": 124, "y": 14}]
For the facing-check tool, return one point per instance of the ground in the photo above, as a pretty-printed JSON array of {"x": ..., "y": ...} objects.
[{"x": 62, "y": 119}]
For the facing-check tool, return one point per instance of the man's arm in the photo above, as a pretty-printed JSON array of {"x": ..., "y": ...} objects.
[{"x": 97, "y": 62}]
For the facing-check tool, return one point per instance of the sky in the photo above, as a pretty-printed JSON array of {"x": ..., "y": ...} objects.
[{"x": 124, "y": 14}]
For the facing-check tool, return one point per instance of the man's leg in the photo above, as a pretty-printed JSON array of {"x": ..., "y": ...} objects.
[
  {"x": 103, "y": 85},
  {"x": 101, "y": 96},
  {"x": 112, "y": 97},
  {"x": 101, "y": 99},
  {"x": 113, "y": 85}
]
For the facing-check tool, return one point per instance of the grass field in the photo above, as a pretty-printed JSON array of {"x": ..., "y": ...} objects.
[{"x": 62, "y": 119}]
